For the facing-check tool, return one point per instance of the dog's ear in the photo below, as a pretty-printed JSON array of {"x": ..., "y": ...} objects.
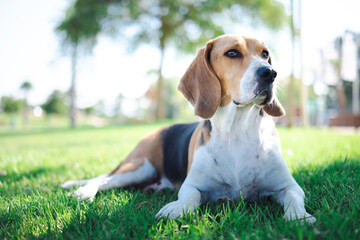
[
  {"x": 274, "y": 108},
  {"x": 200, "y": 85}
]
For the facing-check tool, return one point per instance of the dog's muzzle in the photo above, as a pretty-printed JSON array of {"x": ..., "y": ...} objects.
[{"x": 264, "y": 90}]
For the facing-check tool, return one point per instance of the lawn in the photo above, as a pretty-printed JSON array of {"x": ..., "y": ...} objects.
[{"x": 325, "y": 163}]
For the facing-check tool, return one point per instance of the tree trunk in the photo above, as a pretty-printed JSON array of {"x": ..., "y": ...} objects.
[
  {"x": 291, "y": 108},
  {"x": 160, "y": 101},
  {"x": 355, "y": 94},
  {"x": 303, "y": 89},
  {"x": 72, "y": 91},
  {"x": 26, "y": 110}
]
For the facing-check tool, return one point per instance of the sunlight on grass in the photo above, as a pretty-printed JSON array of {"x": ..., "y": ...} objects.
[{"x": 325, "y": 163}]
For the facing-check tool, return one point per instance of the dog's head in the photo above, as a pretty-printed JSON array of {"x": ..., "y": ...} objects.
[{"x": 231, "y": 70}]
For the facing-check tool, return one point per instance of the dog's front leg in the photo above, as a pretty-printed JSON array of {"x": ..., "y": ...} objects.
[
  {"x": 292, "y": 198},
  {"x": 188, "y": 199}
]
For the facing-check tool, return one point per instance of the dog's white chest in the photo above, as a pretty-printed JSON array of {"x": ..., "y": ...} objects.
[
  {"x": 241, "y": 166},
  {"x": 237, "y": 170}
]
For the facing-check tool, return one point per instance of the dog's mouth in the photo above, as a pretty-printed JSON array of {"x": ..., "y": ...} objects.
[
  {"x": 259, "y": 97},
  {"x": 263, "y": 98}
]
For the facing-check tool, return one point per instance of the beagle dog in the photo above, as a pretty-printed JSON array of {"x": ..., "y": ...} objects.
[{"x": 234, "y": 152}]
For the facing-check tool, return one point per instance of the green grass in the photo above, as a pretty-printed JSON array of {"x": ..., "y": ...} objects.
[{"x": 326, "y": 164}]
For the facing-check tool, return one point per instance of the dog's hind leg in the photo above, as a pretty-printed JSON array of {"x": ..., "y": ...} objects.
[
  {"x": 82, "y": 182},
  {"x": 135, "y": 172},
  {"x": 142, "y": 165},
  {"x": 160, "y": 186}
]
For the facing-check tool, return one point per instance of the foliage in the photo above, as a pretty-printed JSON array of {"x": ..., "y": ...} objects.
[
  {"x": 26, "y": 86},
  {"x": 326, "y": 164},
  {"x": 184, "y": 24},
  {"x": 89, "y": 110},
  {"x": 81, "y": 27},
  {"x": 55, "y": 104},
  {"x": 10, "y": 104}
]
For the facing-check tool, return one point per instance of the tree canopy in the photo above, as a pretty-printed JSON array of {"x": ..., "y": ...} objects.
[
  {"x": 183, "y": 24},
  {"x": 55, "y": 104},
  {"x": 180, "y": 23},
  {"x": 26, "y": 86},
  {"x": 10, "y": 105}
]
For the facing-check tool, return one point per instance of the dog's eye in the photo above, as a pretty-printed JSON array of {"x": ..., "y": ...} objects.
[
  {"x": 233, "y": 53},
  {"x": 265, "y": 54}
]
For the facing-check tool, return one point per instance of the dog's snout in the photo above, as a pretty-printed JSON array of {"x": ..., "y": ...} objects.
[{"x": 267, "y": 74}]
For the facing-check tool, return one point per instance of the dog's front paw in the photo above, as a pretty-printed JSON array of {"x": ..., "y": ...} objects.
[
  {"x": 306, "y": 217},
  {"x": 69, "y": 184},
  {"x": 86, "y": 192},
  {"x": 174, "y": 210},
  {"x": 309, "y": 218}
]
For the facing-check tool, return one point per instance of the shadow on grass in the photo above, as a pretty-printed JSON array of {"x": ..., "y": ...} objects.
[
  {"x": 35, "y": 173},
  {"x": 114, "y": 214},
  {"x": 30, "y": 183}
]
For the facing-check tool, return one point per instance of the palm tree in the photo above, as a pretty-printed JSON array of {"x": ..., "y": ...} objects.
[
  {"x": 72, "y": 31},
  {"x": 26, "y": 87}
]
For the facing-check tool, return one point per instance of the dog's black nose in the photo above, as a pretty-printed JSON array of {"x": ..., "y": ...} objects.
[{"x": 267, "y": 74}]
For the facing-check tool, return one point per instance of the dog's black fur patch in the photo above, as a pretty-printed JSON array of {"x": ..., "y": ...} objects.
[
  {"x": 202, "y": 138},
  {"x": 175, "y": 143},
  {"x": 206, "y": 129},
  {"x": 207, "y": 125},
  {"x": 261, "y": 113}
]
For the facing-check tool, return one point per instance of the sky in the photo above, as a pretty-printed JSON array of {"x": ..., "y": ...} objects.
[{"x": 30, "y": 51}]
